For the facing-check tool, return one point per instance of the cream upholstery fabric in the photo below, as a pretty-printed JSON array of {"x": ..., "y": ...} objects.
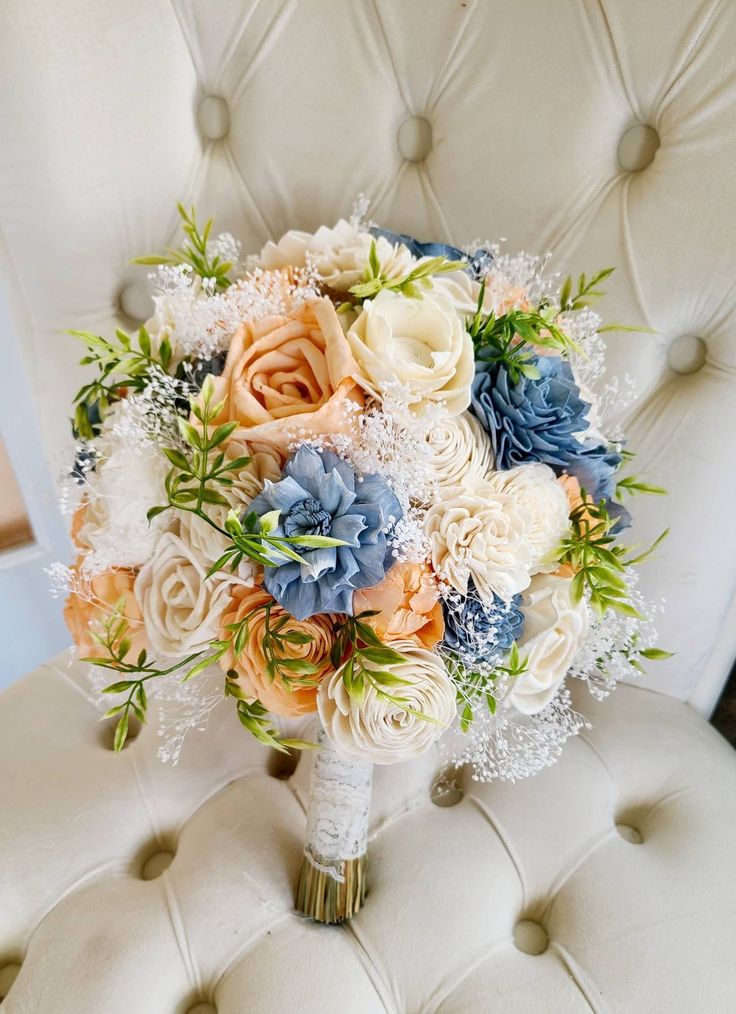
[
  {"x": 603, "y": 130},
  {"x": 633, "y": 927}
]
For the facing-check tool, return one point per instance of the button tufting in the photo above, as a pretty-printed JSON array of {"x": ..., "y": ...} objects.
[
  {"x": 687, "y": 354},
  {"x": 530, "y": 937},
  {"x": 107, "y": 728},
  {"x": 282, "y": 765},
  {"x": 135, "y": 301},
  {"x": 445, "y": 792},
  {"x": 415, "y": 138},
  {"x": 156, "y": 863},
  {"x": 213, "y": 117},
  {"x": 203, "y": 1008},
  {"x": 8, "y": 974},
  {"x": 630, "y": 834},
  {"x": 637, "y": 147}
]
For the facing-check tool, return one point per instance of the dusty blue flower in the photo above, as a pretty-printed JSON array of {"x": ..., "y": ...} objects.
[
  {"x": 319, "y": 494},
  {"x": 531, "y": 420},
  {"x": 478, "y": 263},
  {"x": 477, "y": 630}
]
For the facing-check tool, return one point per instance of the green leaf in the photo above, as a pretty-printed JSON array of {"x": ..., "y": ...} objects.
[
  {"x": 119, "y": 688},
  {"x": 191, "y": 434},
  {"x": 317, "y": 541},
  {"x": 178, "y": 460},
  {"x": 121, "y": 732},
  {"x": 656, "y": 654},
  {"x": 222, "y": 433},
  {"x": 153, "y": 512}
]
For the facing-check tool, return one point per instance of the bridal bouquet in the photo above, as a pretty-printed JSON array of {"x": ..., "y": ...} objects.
[{"x": 363, "y": 477}]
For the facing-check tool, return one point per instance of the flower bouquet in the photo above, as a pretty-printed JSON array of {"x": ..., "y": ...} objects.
[{"x": 364, "y": 477}]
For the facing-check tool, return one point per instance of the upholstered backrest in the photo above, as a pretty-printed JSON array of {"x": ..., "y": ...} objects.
[{"x": 458, "y": 119}]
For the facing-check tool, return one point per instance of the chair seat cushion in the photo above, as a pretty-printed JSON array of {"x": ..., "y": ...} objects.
[{"x": 126, "y": 885}]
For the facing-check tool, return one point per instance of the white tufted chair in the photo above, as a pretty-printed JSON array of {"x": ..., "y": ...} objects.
[{"x": 603, "y": 129}]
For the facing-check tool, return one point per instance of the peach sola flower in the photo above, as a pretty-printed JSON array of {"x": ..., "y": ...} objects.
[
  {"x": 96, "y": 600},
  {"x": 289, "y": 377},
  {"x": 282, "y": 689},
  {"x": 408, "y": 605}
]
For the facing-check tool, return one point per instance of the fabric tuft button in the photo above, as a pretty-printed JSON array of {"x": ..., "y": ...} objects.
[
  {"x": 687, "y": 354},
  {"x": 445, "y": 792},
  {"x": 282, "y": 765},
  {"x": 637, "y": 147},
  {"x": 135, "y": 301},
  {"x": 203, "y": 1008},
  {"x": 530, "y": 937},
  {"x": 213, "y": 117},
  {"x": 630, "y": 834},
  {"x": 156, "y": 863},
  {"x": 8, "y": 975},
  {"x": 415, "y": 139}
]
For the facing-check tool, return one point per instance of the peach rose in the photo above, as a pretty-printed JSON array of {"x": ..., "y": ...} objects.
[
  {"x": 94, "y": 600},
  {"x": 408, "y": 600},
  {"x": 277, "y": 695},
  {"x": 289, "y": 376}
]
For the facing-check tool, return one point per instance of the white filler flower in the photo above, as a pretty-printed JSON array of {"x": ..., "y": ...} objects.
[
  {"x": 380, "y": 731},
  {"x": 554, "y": 629},
  {"x": 419, "y": 344},
  {"x": 479, "y": 533},
  {"x": 536, "y": 491}
]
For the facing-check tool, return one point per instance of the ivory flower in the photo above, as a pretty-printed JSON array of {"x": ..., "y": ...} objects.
[
  {"x": 94, "y": 600},
  {"x": 337, "y": 255},
  {"x": 289, "y": 377},
  {"x": 420, "y": 344},
  {"x": 554, "y": 629},
  {"x": 536, "y": 491},
  {"x": 277, "y": 695},
  {"x": 248, "y": 482},
  {"x": 408, "y": 605},
  {"x": 181, "y": 607},
  {"x": 459, "y": 446},
  {"x": 382, "y": 732},
  {"x": 479, "y": 533}
]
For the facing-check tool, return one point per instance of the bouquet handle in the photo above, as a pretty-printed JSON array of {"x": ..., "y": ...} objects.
[{"x": 331, "y": 885}]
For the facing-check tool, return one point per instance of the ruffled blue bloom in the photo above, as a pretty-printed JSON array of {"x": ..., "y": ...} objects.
[
  {"x": 319, "y": 494},
  {"x": 478, "y": 630},
  {"x": 478, "y": 263},
  {"x": 541, "y": 420}
]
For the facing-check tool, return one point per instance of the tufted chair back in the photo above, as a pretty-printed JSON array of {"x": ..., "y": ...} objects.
[{"x": 603, "y": 131}]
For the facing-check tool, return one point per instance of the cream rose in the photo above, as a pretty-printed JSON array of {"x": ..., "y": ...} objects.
[
  {"x": 554, "y": 629},
  {"x": 459, "y": 447},
  {"x": 379, "y": 731},
  {"x": 420, "y": 344},
  {"x": 338, "y": 255},
  {"x": 479, "y": 533},
  {"x": 536, "y": 491},
  {"x": 289, "y": 376},
  {"x": 181, "y": 608},
  {"x": 248, "y": 481}
]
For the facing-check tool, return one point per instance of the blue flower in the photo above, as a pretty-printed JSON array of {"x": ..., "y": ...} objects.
[
  {"x": 478, "y": 263},
  {"x": 530, "y": 420},
  {"x": 477, "y": 630},
  {"x": 319, "y": 494}
]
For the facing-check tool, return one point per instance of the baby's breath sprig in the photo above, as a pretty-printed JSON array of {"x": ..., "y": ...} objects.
[
  {"x": 474, "y": 686},
  {"x": 115, "y": 641},
  {"x": 599, "y": 564},
  {"x": 120, "y": 365},
  {"x": 510, "y": 338},
  {"x": 195, "y": 254},
  {"x": 411, "y": 284},
  {"x": 197, "y": 472}
]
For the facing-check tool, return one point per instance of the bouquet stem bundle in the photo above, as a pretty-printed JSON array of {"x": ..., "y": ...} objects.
[{"x": 331, "y": 886}]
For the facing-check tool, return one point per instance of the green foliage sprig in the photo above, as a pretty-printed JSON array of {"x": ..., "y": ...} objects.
[
  {"x": 198, "y": 473},
  {"x": 474, "y": 686},
  {"x": 586, "y": 292},
  {"x": 255, "y": 718},
  {"x": 599, "y": 563},
  {"x": 510, "y": 338},
  {"x": 120, "y": 364},
  {"x": 195, "y": 254},
  {"x": 115, "y": 641},
  {"x": 411, "y": 284}
]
